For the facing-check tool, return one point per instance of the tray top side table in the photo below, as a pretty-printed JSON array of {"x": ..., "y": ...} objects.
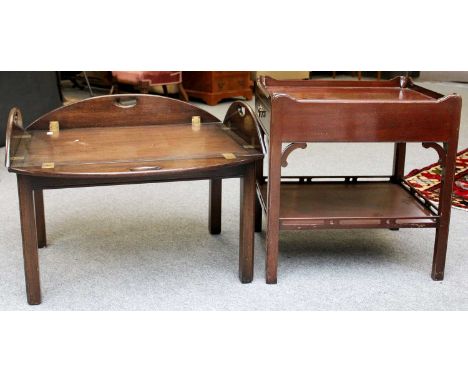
[
  {"x": 298, "y": 112},
  {"x": 129, "y": 139}
]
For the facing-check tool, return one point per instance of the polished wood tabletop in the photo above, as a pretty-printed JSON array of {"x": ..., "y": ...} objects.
[
  {"x": 127, "y": 150},
  {"x": 399, "y": 89},
  {"x": 394, "y": 94}
]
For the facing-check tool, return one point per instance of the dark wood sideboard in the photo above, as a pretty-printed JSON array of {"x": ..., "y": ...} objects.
[{"x": 212, "y": 87}]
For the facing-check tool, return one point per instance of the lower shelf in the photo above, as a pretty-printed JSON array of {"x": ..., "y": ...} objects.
[{"x": 349, "y": 205}]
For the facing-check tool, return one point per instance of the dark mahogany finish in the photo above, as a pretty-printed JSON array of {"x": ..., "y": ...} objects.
[
  {"x": 297, "y": 112},
  {"x": 130, "y": 139},
  {"x": 212, "y": 87}
]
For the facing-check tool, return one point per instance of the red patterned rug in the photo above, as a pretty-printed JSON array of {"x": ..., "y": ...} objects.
[{"x": 426, "y": 181}]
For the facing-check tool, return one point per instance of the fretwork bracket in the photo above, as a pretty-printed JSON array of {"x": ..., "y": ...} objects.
[
  {"x": 289, "y": 149},
  {"x": 440, "y": 151}
]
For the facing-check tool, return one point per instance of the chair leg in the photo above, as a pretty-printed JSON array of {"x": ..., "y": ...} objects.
[
  {"x": 144, "y": 86},
  {"x": 91, "y": 94},
  {"x": 182, "y": 93}
]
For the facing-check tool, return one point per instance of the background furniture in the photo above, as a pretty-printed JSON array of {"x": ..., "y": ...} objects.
[
  {"x": 212, "y": 87},
  {"x": 34, "y": 92},
  {"x": 298, "y": 112},
  {"x": 97, "y": 79},
  {"x": 146, "y": 81},
  {"x": 114, "y": 140},
  {"x": 78, "y": 79},
  {"x": 282, "y": 75}
]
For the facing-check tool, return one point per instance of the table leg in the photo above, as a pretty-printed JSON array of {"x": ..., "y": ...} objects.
[
  {"x": 40, "y": 218},
  {"x": 214, "y": 218},
  {"x": 445, "y": 206},
  {"x": 399, "y": 156},
  {"x": 247, "y": 223},
  {"x": 29, "y": 234},
  {"x": 273, "y": 210}
]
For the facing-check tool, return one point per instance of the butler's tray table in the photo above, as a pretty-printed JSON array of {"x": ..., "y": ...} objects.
[{"x": 129, "y": 139}]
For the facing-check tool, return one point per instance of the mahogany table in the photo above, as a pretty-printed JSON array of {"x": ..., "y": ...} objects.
[
  {"x": 131, "y": 139},
  {"x": 298, "y": 112}
]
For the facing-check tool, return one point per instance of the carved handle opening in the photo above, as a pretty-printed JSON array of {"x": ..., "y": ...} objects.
[
  {"x": 125, "y": 103},
  {"x": 241, "y": 110},
  {"x": 14, "y": 122}
]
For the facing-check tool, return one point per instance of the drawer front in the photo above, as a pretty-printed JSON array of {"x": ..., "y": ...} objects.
[{"x": 230, "y": 82}]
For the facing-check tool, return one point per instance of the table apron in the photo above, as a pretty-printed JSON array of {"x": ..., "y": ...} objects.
[{"x": 55, "y": 183}]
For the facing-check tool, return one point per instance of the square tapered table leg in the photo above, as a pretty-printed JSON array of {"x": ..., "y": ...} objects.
[
  {"x": 247, "y": 224},
  {"x": 29, "y": 234},
  {"x": 214, "y": 217}
]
